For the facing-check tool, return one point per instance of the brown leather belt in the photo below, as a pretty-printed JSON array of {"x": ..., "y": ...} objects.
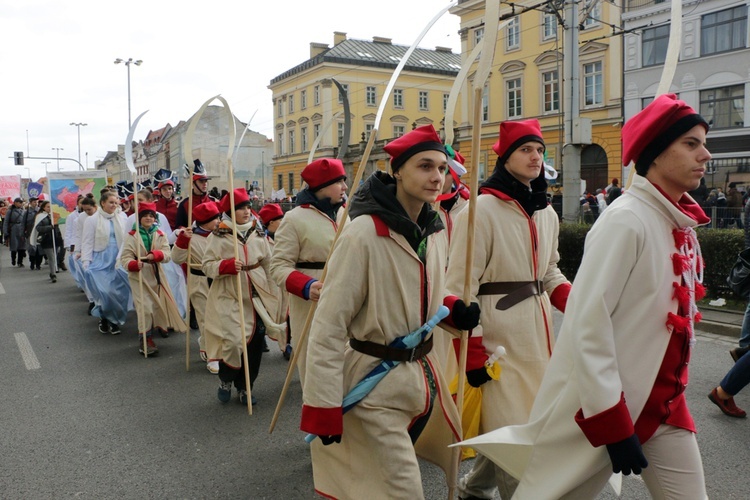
[
  {"x": 250, "y": 268},
  {"x": 310, "y": 265},
  {"x": 196, "y": 272},
  {"x": 389, "y": 353},
  {"x": 515, "y": 291}
]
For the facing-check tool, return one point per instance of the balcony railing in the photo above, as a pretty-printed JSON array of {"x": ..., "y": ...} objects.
[{"x": 632, "y": 5}]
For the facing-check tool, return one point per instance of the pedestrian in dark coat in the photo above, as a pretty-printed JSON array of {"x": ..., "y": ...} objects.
[{"x": 13, "y": 229}]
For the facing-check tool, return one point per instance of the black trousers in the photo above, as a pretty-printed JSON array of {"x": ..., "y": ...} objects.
[
  {"x": 20, "y": 253},
  {"x": 254, "y": 357}
]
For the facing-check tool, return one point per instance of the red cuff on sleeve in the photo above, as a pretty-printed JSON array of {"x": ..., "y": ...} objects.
[
  {"x": 158, "y": 255},
  {"x": 475, "y": 354},
  {"x": 295, "y": 283},
  {"x": 133, "y": 266},
  {"x": 610, "y": 426},
  {"x": 322, "y": 421},
  {"x": 182, "y": 241},
  {"x": 559, "y": 297},
  {"x": 227, "y": 267},
  {"x": 448, "y": 302}
]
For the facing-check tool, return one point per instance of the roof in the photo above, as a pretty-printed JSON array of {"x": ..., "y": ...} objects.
[{"x": 381, "y": 55}]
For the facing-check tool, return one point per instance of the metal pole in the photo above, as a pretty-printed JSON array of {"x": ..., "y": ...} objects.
[
  {"x": 263, "y": 171},
  {"x": 571, "y": 111},
  {"x": 58, "y": 157},
  {"x": 128, "y": 66}
]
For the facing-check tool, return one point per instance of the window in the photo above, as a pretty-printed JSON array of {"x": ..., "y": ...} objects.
[
  {"x": 368, "y": 129},
  {"x": 280, "y": 144},
  {"x": 280, "y": 108},
  {"x": 514, "y": 97},
  {"x": 595, "y": 13},
  {"x": 423, "y": 100},
  {"x": 398, "y": 131},
  {"x": 513, "y": 41},
  {"x": 303, "y": 99},
  {"x": 398, "y": 98},
  {"x": 346, "y": 89},
  {"x": 551, "y": 89},
  {"x": 316, "y": 130},
  {"x": 340, "y": 139},
  {"x": 445, "y": 101},
  {"x": 654, "y": 45},
  {"x": 593, "y": 84},
  {"x": 279, "y": 182},
  {"x": 316, "y": 95},
  {"x": 290, "y": 101},
  {"x": 724, "y": 107},
  {"x": 291, "y": 142},
  {"x": 478, "y": 35},
  {"x": 646, "y": 101},
  {"x": 291, "y": 182},
  {"x": 485, "y": 104},
  {"x": 303, "y": 138},
  {"x": 549, "y": 26},
  {"x": 370, "y": 96},
  {"x": 724, "y": 30}
]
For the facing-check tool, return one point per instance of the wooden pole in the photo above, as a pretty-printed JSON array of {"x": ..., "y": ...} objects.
[{"x": 189, "y": 267}]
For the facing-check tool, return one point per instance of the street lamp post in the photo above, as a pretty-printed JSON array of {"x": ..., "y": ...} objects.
[
  {"x": 45, "y": 163},
  {"x": 128, "y": 63},
  {"x": 58, "y": 157},
  {"x": 79, "y": 125}
]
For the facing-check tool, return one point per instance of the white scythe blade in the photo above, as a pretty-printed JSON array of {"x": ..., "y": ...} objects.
[
  {"x": 242, "y": 136},
  {"x": 232, "y": 129},
  {"x": 673, "y": 49},
  {"x": 320, "y": 136},
  {"x": 491, "y": 26},
  {"x": 402, "y": 63},
  {"x": 129, "y": 145},
  {"x": 187, "y": 139}
]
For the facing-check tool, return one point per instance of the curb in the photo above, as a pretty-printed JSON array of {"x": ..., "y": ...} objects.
[{"x": 719, "y": 328}]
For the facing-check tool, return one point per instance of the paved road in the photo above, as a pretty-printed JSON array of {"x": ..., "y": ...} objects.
[{"x": 84, "y": 415}]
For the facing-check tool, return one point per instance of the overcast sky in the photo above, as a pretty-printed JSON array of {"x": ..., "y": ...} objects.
[{"x": 58, "y": 65}]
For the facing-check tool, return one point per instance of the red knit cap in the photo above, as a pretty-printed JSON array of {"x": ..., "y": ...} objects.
[
  {"x": 420, "y": 139},
  {"x": 270, "y": 212},
  {"x": 146, "y": 207},
  {"x": 205, "y": 212},
  {"x": 323, "y": 172},
  {"x": 657, "y": 126},
  {"x": 514, "y": 134},
  {"x": 240, "y": 198}
]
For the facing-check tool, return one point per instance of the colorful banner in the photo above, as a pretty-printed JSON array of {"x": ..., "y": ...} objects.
[
  {"x": 10, "y": 186},
  {"x": 64, "y": 188}
]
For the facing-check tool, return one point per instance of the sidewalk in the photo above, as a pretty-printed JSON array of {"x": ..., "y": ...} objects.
[{"x": 721, "y": 321}]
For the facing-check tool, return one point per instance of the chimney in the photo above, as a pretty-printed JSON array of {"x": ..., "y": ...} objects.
[
  {"x": 317, "y": 49},
  {"x": 443, "y": 49},
  {"x": 380, "y": 39},
  {"x": 338, "y": 37}
]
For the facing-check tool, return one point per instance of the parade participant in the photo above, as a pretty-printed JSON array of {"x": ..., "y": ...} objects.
[
  {"x": 142, "y": 254},
  {"x": 35, "y": 255},
  {"x": 102, "y": 237},
  {"x": 47, "y": 238},
  {"x": 386, "y": 282},
  {"x": 224, "y": 333},
  {"x": 270, "y": 216},
  {"x": 13, "y": 229},
  {"x": 205, "y": 221},
  {"x": 455, "y": 195},
  {"x": 88, "y": 207},
  {"x": 200, "y": 194},
  {"x": 516, "y": 280},
  {"x": 126, "y": 205},
  {"x": 146, "y": 196},
  {"x": 166, "y": 204},
  {"x": 70, "y": 226},
  {"x": 303, "y": 241},
  {"x": 613, "y": 398}
]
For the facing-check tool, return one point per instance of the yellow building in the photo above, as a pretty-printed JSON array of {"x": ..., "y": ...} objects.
[
  {"x": 308, "y": 105},
  {"x": 526, "y": 82}
]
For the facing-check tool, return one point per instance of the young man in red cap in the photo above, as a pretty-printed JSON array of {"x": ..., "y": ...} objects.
[
  {"x": 154, "y": 304},
  {"x": 516, "y": 281},
  {"x": 195, "y": 239},
  {"x": 200, "y": 193},
  {"x": 612, "y": 399},
  {"x": 166, "y": 203},
  {"x": 224, "y": 333},
  {"x": 271, "y": 216},
  {"x": 387, "y": 282},
  {"x": 302, "y": 243}
]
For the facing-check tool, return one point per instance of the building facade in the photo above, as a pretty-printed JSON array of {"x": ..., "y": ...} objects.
[
  {"x": 308, "y": 106},
  {"x": 713, "y": 74}
]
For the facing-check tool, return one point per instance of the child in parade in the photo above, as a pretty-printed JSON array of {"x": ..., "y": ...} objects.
[
  {"x": 154, "y": 303},
  {"x": 195, "y": 239},
  {"x": 101, "y": 240},
  {"x": 386, "y": 281},
  {"x": 303, "y": 241},
  {"x": 224, "y": 333}
]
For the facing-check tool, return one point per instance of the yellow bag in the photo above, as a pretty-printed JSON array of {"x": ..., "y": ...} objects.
[{"x": 472, "y": 410}]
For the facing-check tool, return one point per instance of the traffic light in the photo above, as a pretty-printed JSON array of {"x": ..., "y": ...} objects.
[{"x": 18, "y": 157}]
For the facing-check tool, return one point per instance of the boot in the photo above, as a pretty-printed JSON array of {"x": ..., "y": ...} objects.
[{"x": 53, "y": 278}]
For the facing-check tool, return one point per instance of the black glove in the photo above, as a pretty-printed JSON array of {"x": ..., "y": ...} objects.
[
  {"x": 477, "y": 377},
  {"x": 627, "y": 456},
  {"x": 465, "y": 318},
  {"x": 326, "y": 440}
]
